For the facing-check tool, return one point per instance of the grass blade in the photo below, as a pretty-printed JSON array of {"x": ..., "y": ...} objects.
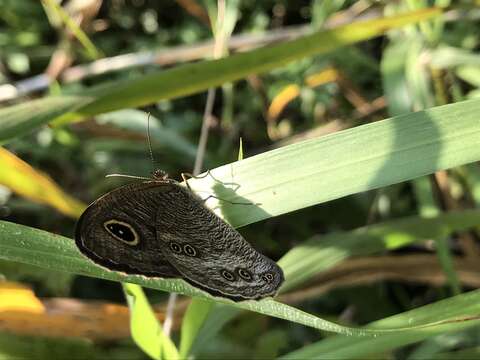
[
  {"x": 23, "y": 244},
  {"x": 192, "y": 323},
  {"x": 347, "y": 162},
  {"x": 21, "y": 119},
  {"x": 146, "y": 331},
  {"x": 341, "y": 347},
  {"x": 192, "y": 78}
]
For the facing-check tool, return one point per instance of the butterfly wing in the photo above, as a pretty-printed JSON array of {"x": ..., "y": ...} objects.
[
  {"x": 117, "y": 231},
  {"x": 210, "y": 254}
]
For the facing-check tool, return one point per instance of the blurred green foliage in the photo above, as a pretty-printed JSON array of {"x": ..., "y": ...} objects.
[{"x": 396, "y": 68}]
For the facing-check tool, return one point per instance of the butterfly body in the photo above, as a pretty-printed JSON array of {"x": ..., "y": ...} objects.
[{"x": 159, "y": 228}]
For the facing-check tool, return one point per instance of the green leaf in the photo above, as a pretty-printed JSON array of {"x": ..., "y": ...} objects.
[
  {"x": 428, "y": 207},
  {"x": 341, "y": 347},
  {"x": 37, "y": 247},
  {"x": 323, "y": 252},
  {"x": 21, "y": 119},
  {"x": 407, "y": 87},
  {"x": 193, "y": 321},
  {"x": 347, "y": 162},
  {"x": 23, "y": 244},
  {"x": 192, "y": 78},
  {"x": 218, "y": 316},
  {"x": 146, "y": 330},
  {"x": 189, "y": 79},
  {"x": 290, "y": 178}
]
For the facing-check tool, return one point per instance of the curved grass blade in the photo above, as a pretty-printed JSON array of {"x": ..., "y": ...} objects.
[
  {"x": 193, "y": 321},
  {"x": 146, "y": 331},
  {"x": 23, "y": 244},
  {"x": 321, "y": 169},
  {"x": 322, "y": 253},
  {"x": 406, "y": 84},
  {"x": 409, "y": 145},
  {"x": 192, "y": 78},
  {"x": 359, "y": 159},
  {"x": 21, "y": 119},
  {"x": 341, "y": 347}
]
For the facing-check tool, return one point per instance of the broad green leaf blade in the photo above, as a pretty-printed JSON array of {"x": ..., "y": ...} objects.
[
  {"x": 323, "y": 252},
  {"x": 23, "y": 244},
  {"x": 341, "y": 347},
  {"x": 403, "y": 69},
  {"x": 21, "y": 119},
  {"x": 347, "y": 162},
  {"x": 407, "y": 145},
  {"x": 146, "y": 331},
  {"x": 193, "y": 321},
  {"x": 192, "y": 78}
]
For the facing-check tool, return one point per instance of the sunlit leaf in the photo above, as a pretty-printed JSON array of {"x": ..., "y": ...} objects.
[
  {"x": 28, "y": 182},
  {"x": 146, "y": 330}
]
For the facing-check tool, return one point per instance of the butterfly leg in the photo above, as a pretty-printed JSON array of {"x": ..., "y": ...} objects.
[
  {"x": 208, "y": 173},
  {"x": 186, "y": 175},
  {"x": 231, "y": 202}
]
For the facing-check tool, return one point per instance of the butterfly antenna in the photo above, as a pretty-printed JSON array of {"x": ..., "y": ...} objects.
[
  {"x": 128, "y": 176},
  {"x": 150, "y": 143}
]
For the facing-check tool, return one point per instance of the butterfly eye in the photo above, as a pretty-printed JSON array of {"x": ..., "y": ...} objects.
[
  {"x": 267, "y": 277},
  {"x": 228, "y": 275},
  {"x": 244, "y": 274},
  {"x": 175, "y": 247},
  {"x": 122, "y": 231},
  {"x": 189, "y": 250}
]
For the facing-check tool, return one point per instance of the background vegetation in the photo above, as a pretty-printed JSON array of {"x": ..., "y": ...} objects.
[{"x": 373, "y": 221}]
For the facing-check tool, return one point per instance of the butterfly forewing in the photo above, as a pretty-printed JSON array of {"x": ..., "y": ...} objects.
[{"x": 159, "y": 228}]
